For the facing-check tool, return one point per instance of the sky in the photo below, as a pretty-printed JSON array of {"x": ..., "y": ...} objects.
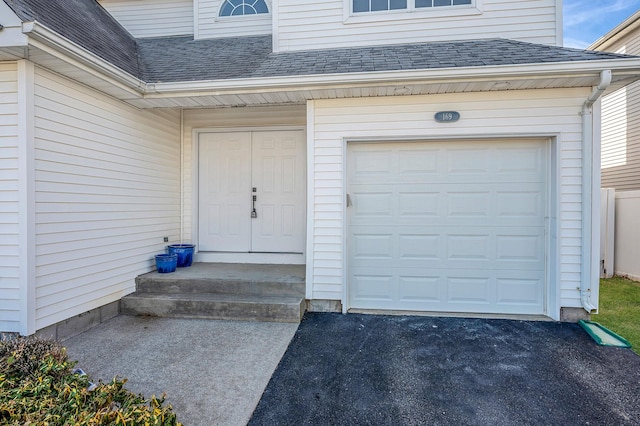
[{"x": 585, "y": 21}]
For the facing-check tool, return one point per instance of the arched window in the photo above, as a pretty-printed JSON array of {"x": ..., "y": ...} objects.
[{"x": 243, "y": 7}]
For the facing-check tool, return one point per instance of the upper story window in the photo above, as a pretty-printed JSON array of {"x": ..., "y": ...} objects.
[
  {"x": 377, "y": 5},
  {"x": 374, "y": 5},
  {"x": 436, "y": 3},
  {"x": 243, "y": 7}
]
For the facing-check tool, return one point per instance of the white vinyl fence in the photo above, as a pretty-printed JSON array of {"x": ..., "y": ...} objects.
[
  {"x": 626, "y": 243},
  {"x": 607, "y": 230}
]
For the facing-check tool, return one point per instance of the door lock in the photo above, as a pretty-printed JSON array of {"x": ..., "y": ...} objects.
[{"x": 254, "y": 213}]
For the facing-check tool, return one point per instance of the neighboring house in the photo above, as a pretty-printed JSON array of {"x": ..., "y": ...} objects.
[
  {"x": 414, "y": 155},
  {"x": 621, "y": 150}
]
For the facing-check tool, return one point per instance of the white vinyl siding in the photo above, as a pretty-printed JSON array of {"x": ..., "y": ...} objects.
[
  {"x": 153, "y": 18},
  {"x": 525, "y": 20},
  {"x": 621, "y": 128},
  {"x": 9, "y": 208},
  {"x": 501, "y": 114},
  {"x": 210, "y": 25},
  {"x": 107, "y": 192},
  {"x": 255, "y": 118}
]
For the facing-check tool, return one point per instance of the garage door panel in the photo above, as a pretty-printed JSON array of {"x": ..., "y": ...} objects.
[
  {"x": 521, "y": 161},
  {"x": 473, "y": 205},
  {"x": 373, "y": 247},
  {"x": 464, "y": 161},
  {"x": 371, "y": 287},
  {"x": 520, "y": 249},
  {"x": 447, "y": 226},
  {"x": 376, "y": 204},
  {"x": 466, "y": 291},
  {"x": 447, "y": 247},
  {"x": 415, "y": 204},
  {"x": 519, "y": 291},
  {"x": 475, "y": 289},
  {"x": 421, "y": 247},
  {"x": 528, "y": 202},
  {"x": 371, "y": 163},
  {"x": 420, "y": 289}
]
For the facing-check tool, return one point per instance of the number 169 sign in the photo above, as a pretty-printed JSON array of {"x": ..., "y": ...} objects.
[{"x": 447, "y": 116}]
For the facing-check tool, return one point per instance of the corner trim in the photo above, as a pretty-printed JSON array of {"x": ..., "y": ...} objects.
[{"x": 26, "y": 196}]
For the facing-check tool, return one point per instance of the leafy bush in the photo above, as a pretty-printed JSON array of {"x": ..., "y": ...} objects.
[
  {"x": 22, "y": 356},
  {"x": 37, "y": 386}
]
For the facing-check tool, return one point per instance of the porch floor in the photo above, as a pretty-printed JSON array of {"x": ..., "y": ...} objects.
[{"x": 234, "y": 271}]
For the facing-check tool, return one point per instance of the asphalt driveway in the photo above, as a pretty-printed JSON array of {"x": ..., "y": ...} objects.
[{"x": 406, "y": 370}]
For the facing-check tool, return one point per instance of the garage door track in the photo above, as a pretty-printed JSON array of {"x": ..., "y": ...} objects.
[{"x": 390, "y": 370}]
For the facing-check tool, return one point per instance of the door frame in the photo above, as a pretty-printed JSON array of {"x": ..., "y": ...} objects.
[
  {"x": 551, "y": 297},
  {"x": 223, "y": 257}
]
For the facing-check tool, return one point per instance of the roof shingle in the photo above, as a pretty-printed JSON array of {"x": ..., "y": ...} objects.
[
  {"x": 179, "y": 59},
  {"x": 85, "y": 23}
]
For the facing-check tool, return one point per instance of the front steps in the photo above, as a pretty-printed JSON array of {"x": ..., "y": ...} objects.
[{"x": 242, "y": 292}]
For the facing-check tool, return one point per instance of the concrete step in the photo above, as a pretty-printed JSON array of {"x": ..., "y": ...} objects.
[
  {"x": 146, "y": 284},
  {"x": 231, "y": 279},
  {"x": 215, "y": 306},
  {"x": 246, "y": 292}
]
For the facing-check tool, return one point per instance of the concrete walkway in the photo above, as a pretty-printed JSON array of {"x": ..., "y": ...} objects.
[{"x": 213, "y": 372}]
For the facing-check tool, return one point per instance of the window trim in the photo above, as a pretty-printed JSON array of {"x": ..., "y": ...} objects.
[
  {"x": 250, "y": 16},
  {"x": 411, "y": 12}
]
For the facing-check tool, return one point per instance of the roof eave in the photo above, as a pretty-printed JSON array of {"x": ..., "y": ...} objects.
[
  {"x": 467, "y": 74},
  {"x": 51, "y": 42}
]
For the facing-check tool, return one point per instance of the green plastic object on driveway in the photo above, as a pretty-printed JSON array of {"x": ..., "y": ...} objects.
[{"x": 603, "y": 336}]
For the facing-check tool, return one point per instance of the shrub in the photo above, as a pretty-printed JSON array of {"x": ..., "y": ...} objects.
[
  {"x": 37, "y": 386},
  {"x": 23, "y": 355}
]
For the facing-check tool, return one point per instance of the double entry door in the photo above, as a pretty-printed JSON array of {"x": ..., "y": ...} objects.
[{"x": 252, "y": 191}]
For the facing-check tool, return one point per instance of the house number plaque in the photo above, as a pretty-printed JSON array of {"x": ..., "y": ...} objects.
[{"x": 447, "y": 116}]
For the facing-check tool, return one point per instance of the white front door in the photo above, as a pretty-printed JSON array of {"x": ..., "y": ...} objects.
[{"x": 252, "y": 192}]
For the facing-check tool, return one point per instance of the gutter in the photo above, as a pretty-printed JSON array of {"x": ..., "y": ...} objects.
[
  {"x": 590, "y": 182},
  {"x": 438, "y": 75},
  {"x": 51, "y": 39}
]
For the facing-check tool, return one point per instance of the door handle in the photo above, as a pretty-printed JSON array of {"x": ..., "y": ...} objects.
[{"x": 254, "y": 213}]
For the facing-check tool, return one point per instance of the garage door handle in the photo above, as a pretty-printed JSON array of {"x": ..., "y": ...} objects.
[{"x": 349, "y": 200}]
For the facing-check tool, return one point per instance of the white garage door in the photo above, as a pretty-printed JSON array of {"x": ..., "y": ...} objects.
[{"x": 447, "y": 226}]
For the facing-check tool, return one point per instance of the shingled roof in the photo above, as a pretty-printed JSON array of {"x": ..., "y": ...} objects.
[
  {"x": 178, "y": 59},
  {"x": 174, "y": 59},
  {"x": 85, "y": 23}
]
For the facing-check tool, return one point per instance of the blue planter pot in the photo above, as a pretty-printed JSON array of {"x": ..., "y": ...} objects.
[
  {"x": 166, "y": 263},
  {"x": 184, "y": 253}
]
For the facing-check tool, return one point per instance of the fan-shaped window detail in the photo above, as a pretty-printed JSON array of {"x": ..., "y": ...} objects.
[{"x": 243, "y": 7}]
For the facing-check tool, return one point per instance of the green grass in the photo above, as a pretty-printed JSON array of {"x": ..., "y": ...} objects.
[{"x": 620, "y": 308}]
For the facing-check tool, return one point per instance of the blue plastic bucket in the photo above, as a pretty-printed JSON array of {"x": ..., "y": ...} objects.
[
  {"x": 166, "y": 263},
  {"x": 184, "y": 252}
]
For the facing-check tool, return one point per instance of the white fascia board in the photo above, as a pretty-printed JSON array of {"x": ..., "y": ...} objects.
[
  {"x": 13, "y": 37},
  {"x": 49, "y": 41},
  {"x": 307, "y": 82}
]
